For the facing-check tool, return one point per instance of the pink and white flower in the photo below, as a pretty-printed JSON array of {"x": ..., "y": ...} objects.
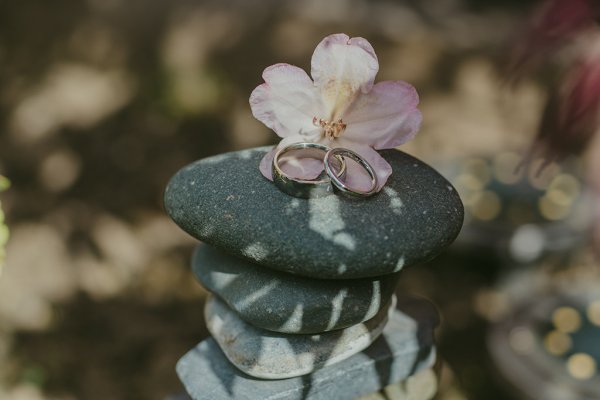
[{"x": 339, "y": 107}]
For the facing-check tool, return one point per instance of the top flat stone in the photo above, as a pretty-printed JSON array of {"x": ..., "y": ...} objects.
[{"x": 226, "y": 202}]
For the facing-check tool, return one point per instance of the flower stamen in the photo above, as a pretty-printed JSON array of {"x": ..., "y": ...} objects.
[{"x": 331, "y": 129}]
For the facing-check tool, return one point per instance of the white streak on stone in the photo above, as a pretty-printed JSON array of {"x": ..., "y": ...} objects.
[
  {"x": 253, "y": 297},
  {"x": 344, "y": 239},
  {"x": 255, "y": 251},
  {"x": 399, "y": 264},
  {"x": 294, "y": 204},
  {"x": 222, "y": 279},
  {"x": 294, "y": 322},
  {"x": 364, "y": 341},
  {"x": 325, "y": 219},
  {"x": 396, "y": 203},
  {"x": 375, "y": 304},
  {"x": 336, "y": 309}
]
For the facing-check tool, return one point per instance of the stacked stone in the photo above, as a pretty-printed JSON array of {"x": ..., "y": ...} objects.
[{"x": 303, "y": 288}]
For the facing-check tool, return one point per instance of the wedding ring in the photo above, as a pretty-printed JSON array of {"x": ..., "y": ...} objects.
[
  {"x": 338, "y": 183},
  {"x": 306, "y": 188}
]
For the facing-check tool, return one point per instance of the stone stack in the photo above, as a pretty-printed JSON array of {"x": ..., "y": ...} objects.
[{"x": 303, "y": 302}]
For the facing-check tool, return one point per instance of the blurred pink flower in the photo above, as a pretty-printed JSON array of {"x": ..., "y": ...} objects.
[
  {"x": 572, "y": 115},
  {"x": 339, "y": 107},
  {"x": 553, "y": 24}
]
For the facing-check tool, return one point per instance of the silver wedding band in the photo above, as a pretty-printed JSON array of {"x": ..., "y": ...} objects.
[
  {"x": 338, "y": 183},
  {"x": 306, "y": 188},
  {"x": 333, "y": 176}
]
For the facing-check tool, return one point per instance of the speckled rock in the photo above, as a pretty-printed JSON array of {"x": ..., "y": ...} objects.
[
  {"x": 269, "y": 355},
  {"x": 289, "y": 303},
  {"x": 405, "y": 348},
  {"x": 226, "y": 202}
]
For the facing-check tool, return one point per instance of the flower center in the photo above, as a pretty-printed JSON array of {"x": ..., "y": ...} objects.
[{"x": 331, "y": 129}]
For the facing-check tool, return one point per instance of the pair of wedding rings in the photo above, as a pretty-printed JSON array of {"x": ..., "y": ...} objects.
[{"x": 332, "y": 177}]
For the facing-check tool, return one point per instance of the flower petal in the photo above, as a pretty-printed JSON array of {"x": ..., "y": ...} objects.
[
  {"x": 287, "y": 101},
  {"x": 308, "y": 168},
  {"x": 341, "y": 67},
  {"x": 384, "y": 118},
  {"x": 356, "y": 176}
]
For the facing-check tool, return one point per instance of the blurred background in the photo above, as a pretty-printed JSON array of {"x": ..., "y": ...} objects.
[{"x": 102, "y": 101}]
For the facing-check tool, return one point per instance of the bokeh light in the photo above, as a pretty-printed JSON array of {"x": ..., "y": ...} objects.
[
  {"x": 593, "y": 312},
  {"x": 557, "y": 343},
  {"x": 581, "y": 366},
  {"x": 566, "y": 319}
]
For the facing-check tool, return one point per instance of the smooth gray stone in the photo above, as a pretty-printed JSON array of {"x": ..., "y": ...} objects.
[
  {"x": 405, "y": 347},
  {"x": 423, "y": 385},
  {"x": 269, "y": 355},
  {"x": 226, "y": 202},
  {"x": 288, "y": 303}
]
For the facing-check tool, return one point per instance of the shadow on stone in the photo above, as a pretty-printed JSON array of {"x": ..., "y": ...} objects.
[
  {"x": 226, "y": 202},
  {"x": 395, "y": 355},
  {"x": 287, "y": 303}
]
